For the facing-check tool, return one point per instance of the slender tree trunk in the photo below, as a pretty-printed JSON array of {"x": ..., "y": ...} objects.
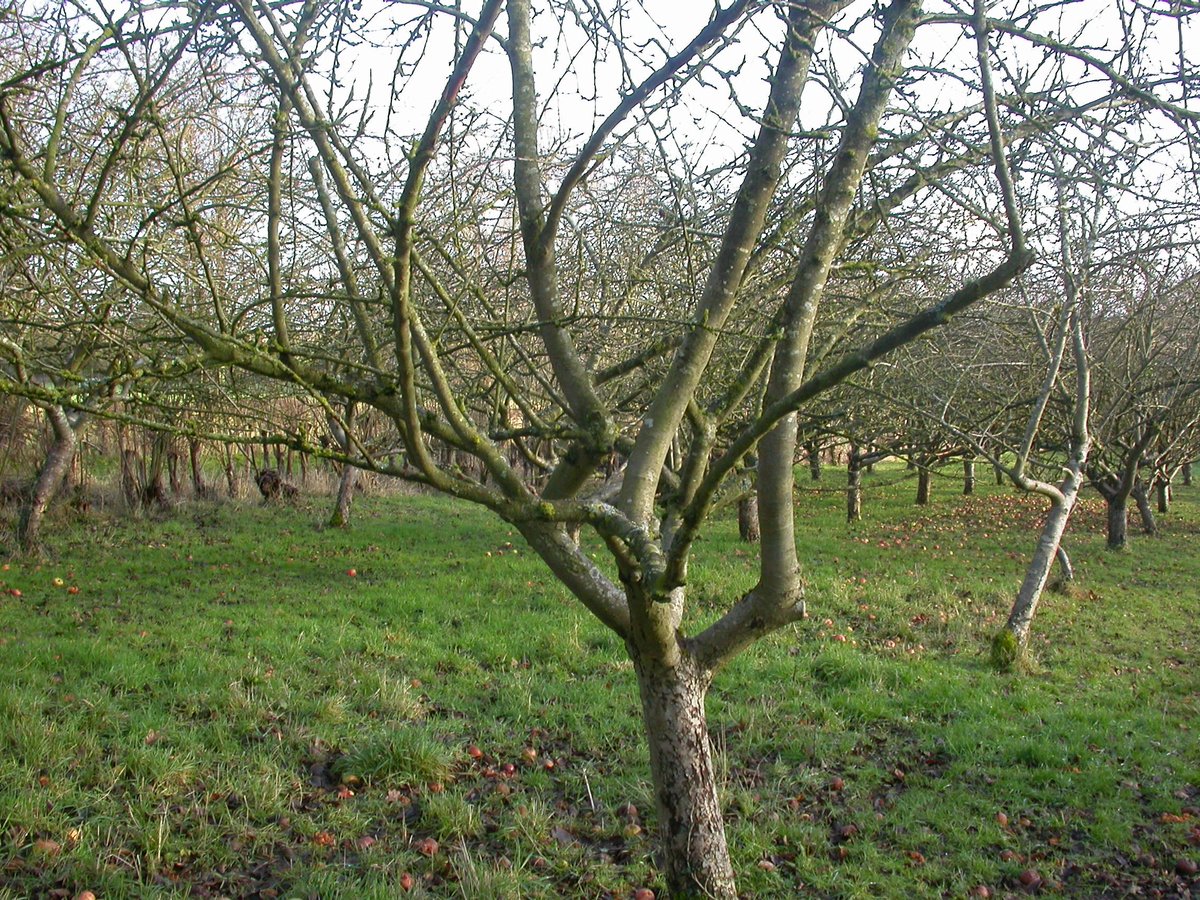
[
  {"x": 130, "y": 483},
  {"x": 692, "y": 832},
  {"x": 1066, "y": 572},
  {"x": 923, "y": 479},
  {"x": 748, "y": 518},
  {"x": 176, "y": 481},
  {"x": 199, "y": 488},
  {"x": 50, "y": 478},
  {"x": 853, "y": 487},
  {"x": 1142, "y": 498},
  {"x": 341, "y": 509},
  {"x": 814, "y": 459},
  {"x": 1163, "y": 489},
  {"x": 968, "y": 475},
  {"x": 230, "y": 473},
  {"x": 1187, "y": 474},
  {"x": 999, "y": 473},
  {"x": 1049, "y": 548}
]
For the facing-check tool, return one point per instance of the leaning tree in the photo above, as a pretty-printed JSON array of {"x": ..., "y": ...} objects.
[{"x": 584, "y": 287}]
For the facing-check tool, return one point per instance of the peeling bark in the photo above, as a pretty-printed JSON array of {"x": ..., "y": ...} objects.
[{"x": 691, "y": 829}]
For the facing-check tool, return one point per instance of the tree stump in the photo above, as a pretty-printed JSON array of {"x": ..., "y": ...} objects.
[{"x": 274, "y": 487}]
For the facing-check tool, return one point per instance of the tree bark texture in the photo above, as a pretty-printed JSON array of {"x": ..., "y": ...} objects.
[
  {"x": 1118, "y": 516},
  {"x": 748, "y": 518},
  {"x": 853, "y": 489},
  {"x": 923, "y": 479},
  {"x": 968, "y": 476},
  {"x": 1142, "y": 498},
  {"x": 1066, "y": 571},
  {"x": 1048, "y": 550},
  {"x": 53, "y": 472},
  {"x": 691, "y": 828},
  {"x": 1163, "y": 490},
  {"x": 813, "y": 451},
  {"x": 341, "y": 509},
  {"x": 199, "y": 488}
]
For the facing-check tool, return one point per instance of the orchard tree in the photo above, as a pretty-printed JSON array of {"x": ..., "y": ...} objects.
[{"x": 593, "y": 281}]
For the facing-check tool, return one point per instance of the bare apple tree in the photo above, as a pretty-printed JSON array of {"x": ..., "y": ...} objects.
[{"x": 585, "y": 287}]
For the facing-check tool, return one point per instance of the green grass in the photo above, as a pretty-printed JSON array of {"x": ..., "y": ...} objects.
[{"x": 222, "y": 709}]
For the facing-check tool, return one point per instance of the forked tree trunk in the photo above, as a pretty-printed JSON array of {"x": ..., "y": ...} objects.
[
  {"x": 968, "y": 476},
  {"x": 50, "y": 478},
  {"x": 1049, "y": 549},
  {"x": 1142, "y": 498},
  {"x": 154, "y": 490},
  {"x": 748, "y": 518},
  {"x": 691, "y": 829},
  {"x": 341, "y": 509}
]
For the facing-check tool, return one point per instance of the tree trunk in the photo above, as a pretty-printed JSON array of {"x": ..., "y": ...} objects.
[
  {"x": 1142, "y": 498},
  {"x": 968, "y": 475},
  {"x": 692, "y": 832},
  {"x": 53, "y": 472},
  {"x": 814, "y": 459},
  {"x": 1066, "y": 572},
  {"x": 199, "y": 488},
  {"x": 173, "y": 470},
  {"x": 1187, "y": 474},
  {"x": 341, "y": 435},
  {"x": 230, "y": 474},
  {"x": 1020, "y": 618},
  {"x": 748, "y": 518},
  {"x": 999, "y": 473},
  {"x": 923, "y": 478},
  {"x": 1010, "y": 644},
  {"x": 1163, "y": 489},
  {"x": 853, "y": 488},
  {"x": 341, "y": 509},
  {"x": 129, "y": 478},
  {"x": 154, "y": 490},
  {"x": 1118, "y": 537}
]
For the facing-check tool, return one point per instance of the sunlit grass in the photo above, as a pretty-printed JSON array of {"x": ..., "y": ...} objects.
[{"x": 222, "y": 707}]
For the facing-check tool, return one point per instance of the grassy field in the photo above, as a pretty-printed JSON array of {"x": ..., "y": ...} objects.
[{"x": 237, "y": 702}]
